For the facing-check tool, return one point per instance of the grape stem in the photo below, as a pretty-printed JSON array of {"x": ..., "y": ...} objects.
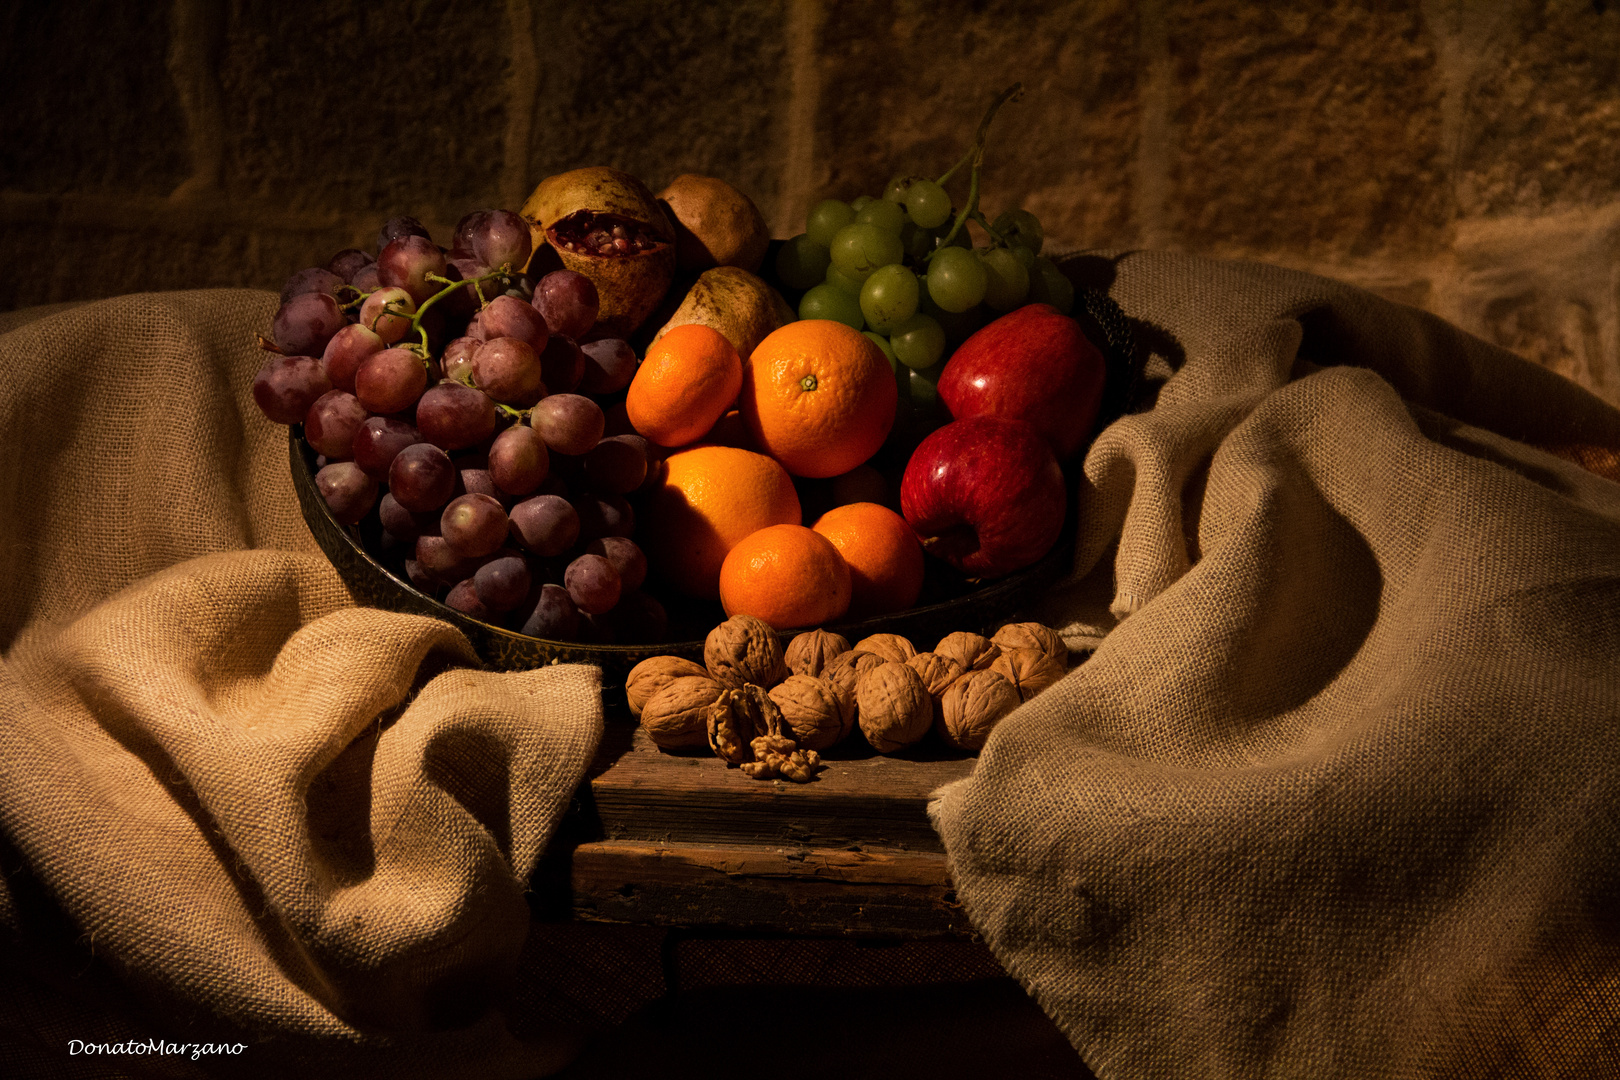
[
  {"x": 426, "y": 351},
  {"x": 984, "y": 223},
  {"x": 975, "y": 157}
]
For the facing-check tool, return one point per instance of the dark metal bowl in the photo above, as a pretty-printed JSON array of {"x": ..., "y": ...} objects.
[{"x": 961, "y": 604}]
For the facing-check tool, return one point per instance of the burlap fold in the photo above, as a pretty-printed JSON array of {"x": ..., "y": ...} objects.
[
  {"x": 1338, "y": 794},
  {"x": 274, "y": 815}
]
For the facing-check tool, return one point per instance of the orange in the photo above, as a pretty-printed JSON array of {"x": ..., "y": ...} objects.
[
  {"x": 689, "y": 379},
  {"x": 818, "y": 396},
  {"x": 711, "y": 497},
  {"x": 788, "y": 575},
  {"x": 885, "y": 560}
]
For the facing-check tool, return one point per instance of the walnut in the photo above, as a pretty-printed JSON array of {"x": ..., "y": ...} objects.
[
  {"x": 973, "y": 705},
  {"x": 844, "y": 673},
  {"x": 652, "y": 675},
  {"x": 893, "y": 707},
  {"x": 974, "y": 652},
  {"x": 742, "y": 650},
  {"x": 1029, "y": 670},
  {"x": 737, "y": 718},
  {"x": 677, "y": 716},
  {"x": 938, "y": 672},
  {"x": 809, "y": 653},
  {"x": 889, "y": 646},
  {"x": 812, "y": 711},
  {"x": 775, "y": 756},
  {"x": 1033, "y": 635}
]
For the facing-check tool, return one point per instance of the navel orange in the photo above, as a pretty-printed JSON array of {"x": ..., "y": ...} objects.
[
  {"x": 885, "y": 560},
  {"x": 711, "y": 498},
  {"x": 689, "y": 379},
  {"x": 788, "y": 575},
  {"x": 818, "y": 396}
]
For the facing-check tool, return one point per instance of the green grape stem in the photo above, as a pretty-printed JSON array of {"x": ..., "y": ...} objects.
[
  {"x": 975, "y": 156},
  {"x": 984, "y": 223},
  {"x": 425, "y": 351}
]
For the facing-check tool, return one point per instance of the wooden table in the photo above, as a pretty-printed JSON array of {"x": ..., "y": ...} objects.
[{"x": 685, "y": 840}]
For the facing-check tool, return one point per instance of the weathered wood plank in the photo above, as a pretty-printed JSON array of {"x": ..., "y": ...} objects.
[{"x": 881, "y": 893}]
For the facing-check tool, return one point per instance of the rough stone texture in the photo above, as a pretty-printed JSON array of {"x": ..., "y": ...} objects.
[{"x": 1459, "y": 155}]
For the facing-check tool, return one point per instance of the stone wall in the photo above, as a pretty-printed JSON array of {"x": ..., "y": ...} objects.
[{"x": 1460, "y": 156}]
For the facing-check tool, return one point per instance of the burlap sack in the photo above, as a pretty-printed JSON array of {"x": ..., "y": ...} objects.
[
  {"x": 279, "y": 817},
  {"x": 1338, "y": 793}
]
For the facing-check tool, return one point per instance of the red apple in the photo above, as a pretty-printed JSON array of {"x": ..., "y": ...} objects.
[
  {"x": 1031, "y": 364},
  {"x": 984, "y": 494}
]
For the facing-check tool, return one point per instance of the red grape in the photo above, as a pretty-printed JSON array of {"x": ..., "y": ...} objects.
[
  {"x": 457, "y": 358},
  {"x": 507, "y": 316},
  {"x": 518, "y": 460},
  {"x": 454, "y": 417},
  {"x": 603, "y": 515},
  {"x": 610, "y": 365},
  {"x": 365, "y": 278},
  {"x": 475, "y": 479},
  {"x": 348, "y": 262},
  {"x": 592, "y": 584},
  {"x": 421, "y": 477},
  {"x": 627, "y": 558},
  {"x": 346, "y": 351},
  {"x": 396, "y": 227},
  {"x": 474, "y": 525},
  {"x": 507, "y": 369},
  {"x": 554, "y": 617},
  {"x": 390, "y": 381},
  {"x": 616, "y": 466},
  {"x": 569, "y": 302},
  {"x": 407, "y": 262},
  {"x": 547, "y": 525},
  {"x": 400, "y": 522},
  {"x": 463, "y": 597},
  {"x": 348, "y": 491},
  {"x": 562, "y": 365},
  {"x": 500, "y": 238},
  {"x": 286, "y": 386},
  {"x": 387, "y": 312},
  {"x": 569, "y": 423},
  {"x": 503, "y": 582},
  {"x": 304, "y": 324},
  {"x": 331, "y": 423},
  {"x": 314, "y": 279},
  {"x": 378, "y": 440},
  {"x": 440, "y": 561}
]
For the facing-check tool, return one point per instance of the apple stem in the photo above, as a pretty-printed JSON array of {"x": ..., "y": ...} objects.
[{"x": 975, "y": 155}]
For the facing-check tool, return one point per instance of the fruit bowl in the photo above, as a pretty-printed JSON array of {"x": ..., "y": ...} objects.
[{"x": 957, "y": 603}]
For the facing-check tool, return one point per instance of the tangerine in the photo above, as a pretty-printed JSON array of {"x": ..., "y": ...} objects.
[
  {"x": 711, "y": 497},
  {"x": 885, "y": 559},
  {"x": 788, "y": 575},
  {"x": 818, "y": 396},
  {"x": 689, "y": 379}
]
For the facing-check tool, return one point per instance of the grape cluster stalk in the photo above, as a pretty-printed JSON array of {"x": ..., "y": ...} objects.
[
  {"x": 901, "y": 268},
  {"x": 468, "y": 412}
]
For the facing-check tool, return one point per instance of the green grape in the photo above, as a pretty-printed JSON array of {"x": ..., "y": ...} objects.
[
  {"x": 884, "y": 214},
  {"x": 826, "y": 302},
  {"x": 1024, "y": 255},
  {"x": 919, "y": 342},
  {"x": 896, "y": 191},
  {"x": 889, "y": 297},
  {"x": 860, "y": 203},
  {"x": 826, "y": 218},
  {"x": 841, "y": 281},
  {"x": 801, "y": 264},
  {"x": 1007, "y": 281},
  {"x": 959, "y": 325},
  {"x": 861, "y": 248},
  {"x": 961, "y": 240},
  {"x": 888, "y": 350},
  {"x": 918, "y": 243},
  {"x": 927, "y": 204},
  {"x": 1049, "y": 285},
  {"x": 956, "y": 279},
  {"x": 1020, "y": 227}
]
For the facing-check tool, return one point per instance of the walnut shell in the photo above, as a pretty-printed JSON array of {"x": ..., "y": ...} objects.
[
  {"x": 974, "y": 652},
  {"x": 809, "y": 653},
  {"x": 1033, "y": 635},
  {"x": 737, "y": 718},
  {"x": 811, "y": 709},
  {"x": 889, "y": 646},
  {"x": 677, "y": 715},
  {"x": 652, "y": 675},
  {"x": 938, "y": 672},
  {"x": 844, "y": 673},
  {"x": 1029, "y": 670},
  {"x": 893, "y": 707},
  {"x": 972, "y": 706},
  {"x": 742, "y": 650}
]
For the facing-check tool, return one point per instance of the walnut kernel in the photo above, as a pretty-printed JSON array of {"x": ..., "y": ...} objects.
[
  {"x": 889, "y": 646},
  {"x": 893, "y": 707},
  {"x": 1029, "y": 670},
  {"x": 737, "y": 718},
  {"x": 974, "y": 705},
  {"x": 652, "y": 675},
  {"x": 744, "y": 649},
  {"x": 809, "y": 653},
  {"x": 974, "y": 652},
  {"x": 812, "y": 712},
  {"x": 677, "y": 715},
  {"x": 1033, "y": 635}
]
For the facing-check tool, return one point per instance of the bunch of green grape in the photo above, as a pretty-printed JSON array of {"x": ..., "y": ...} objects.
[{"x": 900, "y": 269}]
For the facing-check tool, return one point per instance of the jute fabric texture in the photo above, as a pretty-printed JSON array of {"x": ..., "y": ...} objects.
[
  {"x": 275, "y": 815},
  {"x": 1338, "y": 794}
]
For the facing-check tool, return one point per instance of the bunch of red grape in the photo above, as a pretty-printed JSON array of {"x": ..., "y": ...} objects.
[{"x": 458, "y": 406}]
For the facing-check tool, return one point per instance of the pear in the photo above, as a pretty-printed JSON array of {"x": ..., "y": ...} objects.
[
  {"x": 731, "y": 300},
  {"x": 715, "y": 224}
]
